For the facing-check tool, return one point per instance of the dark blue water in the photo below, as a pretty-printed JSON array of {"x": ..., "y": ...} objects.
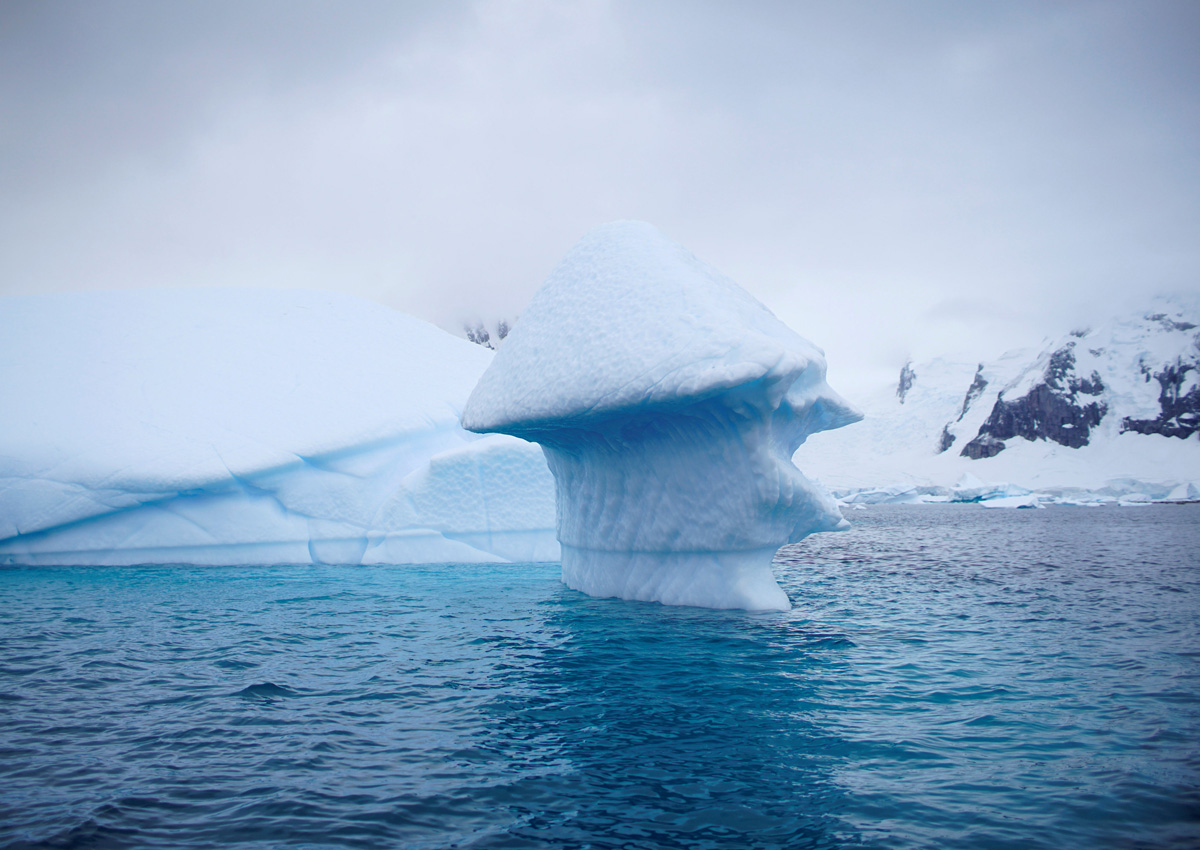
[{"x": 950, "y": 677}]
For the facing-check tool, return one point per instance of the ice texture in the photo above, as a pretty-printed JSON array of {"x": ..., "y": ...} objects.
[
  {"x": 668, "y": 402},
  {"x": 242, "y": 426}
]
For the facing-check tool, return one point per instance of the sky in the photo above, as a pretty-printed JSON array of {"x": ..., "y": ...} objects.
[{"x": 893, "y": 180}]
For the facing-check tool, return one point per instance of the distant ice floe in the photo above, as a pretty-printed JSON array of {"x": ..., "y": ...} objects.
[
  {"x": 1027, "y": 501},
  {"x": 249, "y": 427},
  {"x": 970, "y": 489},
  {"x": 669, "y": 426}
]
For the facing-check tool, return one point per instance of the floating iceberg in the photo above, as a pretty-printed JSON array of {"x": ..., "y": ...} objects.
[
  {"x": 898, "y": 494},
  {"x": 1185, "y": 492},
  {"x": 668, "y": 402},
  {"x": 1027, "y": 501},
  {"x": 251, "y": 426},
  {"x": 971, "y": 489}
]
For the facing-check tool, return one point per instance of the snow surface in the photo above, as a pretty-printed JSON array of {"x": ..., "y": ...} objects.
[
  {"x": 251, "y": 426},
  {"x": 893, "y": 456},
  {"x": 669, "y": 424}
]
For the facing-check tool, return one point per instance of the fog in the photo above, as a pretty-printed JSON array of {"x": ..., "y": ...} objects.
[{"x": 893, "y": 180}]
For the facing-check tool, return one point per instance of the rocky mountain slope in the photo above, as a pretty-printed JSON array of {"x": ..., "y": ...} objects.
[
  {"x": 487, "y": 334},
  {"x": 1113, "y": 409}
]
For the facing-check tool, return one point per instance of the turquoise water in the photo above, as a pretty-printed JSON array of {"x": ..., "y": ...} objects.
[{"x": 950, "y": 676}]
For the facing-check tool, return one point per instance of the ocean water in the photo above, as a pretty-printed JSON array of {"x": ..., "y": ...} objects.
[{"x": 950, "y": 677}]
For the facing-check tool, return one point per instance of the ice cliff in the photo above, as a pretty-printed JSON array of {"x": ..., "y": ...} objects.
[
  {"x": 251, "y": 426},
  {"x": 669, "y": 428}
]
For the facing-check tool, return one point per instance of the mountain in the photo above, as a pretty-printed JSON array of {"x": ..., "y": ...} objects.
[
  {"x": 480, "y": 333},
  {"x": 1112, "y": 410}
]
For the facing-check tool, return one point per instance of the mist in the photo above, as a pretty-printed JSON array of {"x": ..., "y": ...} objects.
[{"x": 892, "y": 180}]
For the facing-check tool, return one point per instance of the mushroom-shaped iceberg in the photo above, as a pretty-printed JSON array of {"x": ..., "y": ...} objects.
[{"x": 668, "y": 402}]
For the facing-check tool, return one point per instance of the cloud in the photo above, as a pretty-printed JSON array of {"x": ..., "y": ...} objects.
[{"x": 855, "y": 166}]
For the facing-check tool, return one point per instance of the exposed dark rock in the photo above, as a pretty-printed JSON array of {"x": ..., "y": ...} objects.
[
  {"x": 1061, "y": 375},
  {"x": 1180, "y": 416},
  {"x": 1169, "y": 323},
  {"x": 907, "y": 376},
  {"x": 974, "y": 391},
  {"x": 946, "y": 440},
  {"x": 1043, "y": 414},
  {"x": 1051, "y": 410},
  {"x": 985, "y": 445},
  {"x": 479, "y": 335}
]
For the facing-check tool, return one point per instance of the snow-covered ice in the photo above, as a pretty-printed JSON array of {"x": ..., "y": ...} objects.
[
  {"x": 251, "y": 426},
  {"x": 669, "y": 424}
]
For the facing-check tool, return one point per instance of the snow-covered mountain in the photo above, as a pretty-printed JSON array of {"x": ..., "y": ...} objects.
[
  {"x": 488, "y": 334},
  {"x": 1113, "y": 409}
]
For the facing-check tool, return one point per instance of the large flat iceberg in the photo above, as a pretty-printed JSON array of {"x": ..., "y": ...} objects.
[
  {"x": 669, "y": 403},
  {"x": 251, "y": 426}
]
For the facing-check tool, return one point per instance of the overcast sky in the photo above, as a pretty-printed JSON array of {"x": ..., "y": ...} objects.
[{"x": 891, "y": 178}]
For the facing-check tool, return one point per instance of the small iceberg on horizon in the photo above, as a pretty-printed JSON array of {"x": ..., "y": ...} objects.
[
  {"x": 669, "y": 426},
  {"x": 972, "y": 489}
]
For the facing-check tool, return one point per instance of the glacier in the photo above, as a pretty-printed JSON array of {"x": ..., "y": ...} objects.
[
  {"x": 242, "y": 426},
  {"x": 669, "y": 426}
]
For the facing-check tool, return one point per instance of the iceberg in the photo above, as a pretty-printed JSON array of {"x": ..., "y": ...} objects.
[
  {"x": 1029, "y": 500},
  {"x": 971, "y": 489},
  {"x": 668, "y": 402},
  {"x": 1187, "y": 491},
  {"x": 898, "y": 494},
  {"x": 241, "y": 426}
]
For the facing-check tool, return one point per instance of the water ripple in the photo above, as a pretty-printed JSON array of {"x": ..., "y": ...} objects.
[{"x": 950, "y": 676}]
